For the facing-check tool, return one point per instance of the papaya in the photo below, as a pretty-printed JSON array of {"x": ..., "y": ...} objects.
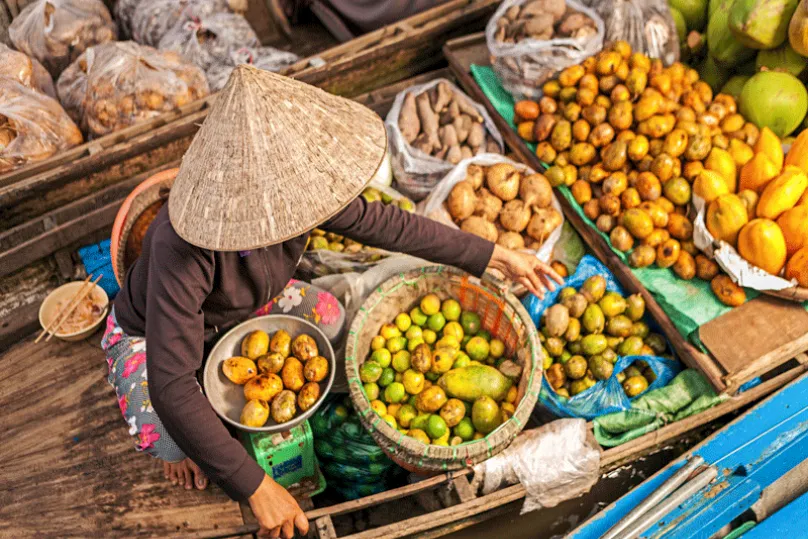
[
  {"x": 722, "y": 162},
  {"x": 735, "y": 85},
  {"x": 798, "y": 29},
  {"x": 726, "y": 215},
  {"x": 798, "y": 154},
  {"x": 797, "y": 267},
  {"x": 710, "y": 185},
  {"x": 794, "y": 224},
  {"x": 757, "y": 173},
  {"x": 761, "y": 24},
  {"x": 768, "y": 143},
  {"x": 782, "y": 193},
  {"x": 761, "y": 243},
  {"x": 726, "y": 49},
  {"x": 784, "y": 58},
  {"x": 775, "y": 100},
  {"x": 694, "y": 12},
  {"x": 470, "y": 383}
]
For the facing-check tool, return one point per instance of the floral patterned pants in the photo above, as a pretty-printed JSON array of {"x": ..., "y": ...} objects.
[{"x": 126, "y": 358}]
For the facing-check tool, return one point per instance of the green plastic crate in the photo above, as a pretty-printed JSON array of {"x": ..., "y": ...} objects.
[{"x": 289, "y": 461}]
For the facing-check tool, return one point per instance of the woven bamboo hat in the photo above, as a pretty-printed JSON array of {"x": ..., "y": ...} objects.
[{"x": 274, "y": 159}]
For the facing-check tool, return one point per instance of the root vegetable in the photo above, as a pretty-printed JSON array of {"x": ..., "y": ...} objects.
[
  {"x": 454, "y": 155},
  {"x": 502, "y": 180},
  {"x": 515, "y": 216},
  {"x": 429, "y": 120},
  {"x": 444, "y": 97},
  {"x": 511, "y": 14},
  {"x": 466, "y": 152},
  {"x": 408, "y": 121},
  {"x": 536, "y": 191},
  {"x": 467, "y": 108},
  {"x": 511, "y": 240},
  {"x": 476, "y": 135},
  {"x": 491, "y": 146},
  {"x": 463, "y": 125},
  {"x": 556, "y": 8},
  {"x": 441, "y": 154},
  {"x": 539, "y": 25},
  {"x": 543, "y": 223},
  {"x": 488, "y": 206},
  {"x": 450, "y": 114},
  {"x": 475, "y": 176},
  {"x": 461, "y": 201},
  {"x": 448, "y": 136},
  {"x": 422, "y": 143},
  {"x": 480, "y": 227},
  {"x": 573, "y": 22}
]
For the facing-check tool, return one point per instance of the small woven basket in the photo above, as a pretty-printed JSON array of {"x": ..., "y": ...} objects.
[{"x": 503, "y": 316}]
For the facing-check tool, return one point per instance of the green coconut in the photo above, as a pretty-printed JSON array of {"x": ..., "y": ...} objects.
[
  {"x": 784, "y": 58},
  {"x": 735, "y": 85},
  {"x": 775, "y": 100},
  {"x": 693, "y": 11},
  {"x": 761, "y": 24},
  {"x": 724, "y": 47}
]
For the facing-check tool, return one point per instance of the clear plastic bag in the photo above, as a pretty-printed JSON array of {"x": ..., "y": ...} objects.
[
  {"x": 434, "y": 208},
  {"x": 415, "y": 172},
  {"x": 266, "y": 58},
  {"x": 56, "y": 32},
  {"x": 555, "y": 462},
  {"x": 647, "y": 25},
  {"x": 26, "y": 70},
  {"x": 210, "y": 40},
  {"x": 33, "y": 126},
  {"x": 525, "y": 66},
  {"x": 118, "y": 84},
  {"x": 153, "y": 19},
  {"x": 124, "y": 11}
]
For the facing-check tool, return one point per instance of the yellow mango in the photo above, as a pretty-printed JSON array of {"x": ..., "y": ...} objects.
[
  {"x": 798, "y": 154},
  {"x": 710, "y": 185},
  {"x": 726, "y": 215},
  {"x": 782, "y": 193},
  {"x": 740, "y": 152},
  {"x": 768, "y": 143},
  {"x": 761, "y": 243},
  {"x": 722, "y": 162},
  {"x": 798, "y": 29},
  {"x": 794, "y": 224},
  {"x": 757, "y": 173},
  {"x": 797, "y": 267}
]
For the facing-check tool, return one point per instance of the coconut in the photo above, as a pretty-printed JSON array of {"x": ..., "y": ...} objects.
[{"x": 775, "y": 100}]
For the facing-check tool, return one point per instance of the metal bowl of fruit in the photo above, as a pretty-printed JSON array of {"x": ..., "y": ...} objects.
[{"x": 269, "y": 374}]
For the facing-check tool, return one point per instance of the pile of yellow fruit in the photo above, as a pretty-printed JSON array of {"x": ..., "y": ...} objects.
[
  {"x": 279, "y": 375},
  {"x": 437, "y": 376}
]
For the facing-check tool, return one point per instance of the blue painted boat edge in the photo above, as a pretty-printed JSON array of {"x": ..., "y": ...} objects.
[
  {"x": 780, "y": 402},
  {"x": 782, "y": 522}
]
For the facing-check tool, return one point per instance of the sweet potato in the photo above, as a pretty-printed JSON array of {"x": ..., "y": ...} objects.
[
  {"x": 467, "y": 108},
  {"x": 443, "y": 98},
  {"x": 408, "y": 121},
  {"x": 429, "y": 120},
  {"x": 450, "y": 114},
  {"x": 448, "y": 136},
  {"x": 466, "y": 152},
  {"x": 462, "y": 125},
  {"x": 476, "y": 135},
  {"x": 454, "y": 155},
  {"x": 423, "y": 144}
]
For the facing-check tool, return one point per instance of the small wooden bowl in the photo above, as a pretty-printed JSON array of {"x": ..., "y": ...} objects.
[{"x": 47, "y": 311}]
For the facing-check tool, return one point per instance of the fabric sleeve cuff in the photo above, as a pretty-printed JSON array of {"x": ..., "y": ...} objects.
[{"x": 244, "y": 481}]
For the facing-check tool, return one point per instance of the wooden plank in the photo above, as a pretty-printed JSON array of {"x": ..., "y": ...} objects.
[
  {"x": 688, "y": 353},
  {"x": 73, "y": 470},
  {"x": 463, "y": 489},
  {"x": 325, "y": 528}
]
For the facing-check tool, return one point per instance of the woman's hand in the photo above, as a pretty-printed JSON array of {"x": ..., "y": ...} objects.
[
  {"x": 277, "y": 512},
  {"x": 525, "y": 269}
]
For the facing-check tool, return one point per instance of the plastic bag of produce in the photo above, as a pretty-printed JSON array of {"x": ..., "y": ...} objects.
[
  {"x": 33, "y": 126},
  {"x": 555, "y": 462},
  {"x": 211, "y": 39},
  {"x": 266, "y": 58},
  {"x": 425, "y": 144},
  {"x": 124, "y": 11},
  {"x": 435, "y": 207},
  {"x": 605, "y": 396},
  {"x": 118, "y": 84},
  {"x": 327, "y": 253},
  {"x": 153, "y": 19},
  {"x": 28, "y": 71},
  {"x": 530, "y": 40},
  {"x": 647, "y": 25},
  {"x": 56, "y": 32}
]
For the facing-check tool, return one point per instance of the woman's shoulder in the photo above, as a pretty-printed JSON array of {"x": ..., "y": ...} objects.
[{"x": 165, "y": 238}]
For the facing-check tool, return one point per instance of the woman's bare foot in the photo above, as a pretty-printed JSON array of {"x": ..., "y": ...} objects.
[{"x": 185, "y": 473}]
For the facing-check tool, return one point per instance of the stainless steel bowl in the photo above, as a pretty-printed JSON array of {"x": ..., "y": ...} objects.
[{"x": 228, "y": 399}]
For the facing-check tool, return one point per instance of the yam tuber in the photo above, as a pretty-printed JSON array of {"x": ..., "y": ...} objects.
[
  {"x": 408, "y": 121},
  {"x": 491, "y": 146},
  {"x": 422, "y": 143},
  {"x": 449, "y": 115},
  {"x": 448, "y": 137},
  {"x": 454, "y": 155},
  {"x": 462, "y": 125},
  {"x": 555, "y": 8},
  {"x": 466, "y": 152},
  {"x": 429, "y": 120},
  {"x": 476, "y": 136},
  {"x": 467, "y": 108},
  {"x": 511, "y": 14},
  {"x": 444, "y": 97},
  {"x": 538, "y": 26}
]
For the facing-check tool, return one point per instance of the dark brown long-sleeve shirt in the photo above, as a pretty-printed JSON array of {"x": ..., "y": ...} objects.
[
  {"x": 369, "y": 15},
  {"x": 177, "y": 294}
]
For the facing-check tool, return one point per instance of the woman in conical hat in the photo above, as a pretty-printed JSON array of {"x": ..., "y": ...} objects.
[{"x": 274, "y": 159}]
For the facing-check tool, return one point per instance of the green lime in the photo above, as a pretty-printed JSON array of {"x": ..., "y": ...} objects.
[
  {"x": 377, "y": 342},
  {"x": 412, "y": 344},
  {"x": 454, "y": 329},
  {"x": 403, "y": 322},
  {"x": 413, "y": 381},
  {"x": 430, "y": 336},
  {"x": 465, "y": 340},
  {"x": 388, "y": 377},
  {"x": 396, "y": 344},
  {"x": 417, "y": 316},
  {"x": 451, "y": 309},
  {"x": 419, "y": 421},
  {"x": 430, "y": 304},
  {"x": 484, "y": 334},
  {"x": 461, "y": 360},
  {"x": 390, "y": 420},
  {"x": 432, "y": 376},
  {"x": 370, "y": 371},
  {"x": 436, "y": 427},
  {"x": 415, "y": 332},
  {"x": 394, "y": 393},
  {"x": 401, "y": 361},
  {"x": 406, "y": 414},
  {"x": 464, "y": 429},
  {"x": 371, "y": 390},
  {"x": 412, "y": 400},
  {"x": 468, "y": 406},
  {"x": 477, "y": 348},
  {"x": 470, "y": 322},
  {"x": 496, "y": 348},
  {"x": 382, "y": 356},
  {"x": 436, "y": 322}
]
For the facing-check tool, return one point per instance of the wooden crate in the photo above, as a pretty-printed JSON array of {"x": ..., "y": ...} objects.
[{"x": 472, "y": 49}]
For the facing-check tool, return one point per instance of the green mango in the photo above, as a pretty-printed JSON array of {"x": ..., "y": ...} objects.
[
  {"x": 775, "y": 100},
  {"x": 681, "y": 25},
  {"x": 735, "y": 85},
  {"x": 761, "y": 24},
  {"x": 725, "y": 48},
  {"x": 470, "y": 383},
  {"x": 694, "y": 12}
]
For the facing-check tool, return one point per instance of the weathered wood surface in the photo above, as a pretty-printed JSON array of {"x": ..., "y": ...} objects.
[{"x": 70, "y": 469}]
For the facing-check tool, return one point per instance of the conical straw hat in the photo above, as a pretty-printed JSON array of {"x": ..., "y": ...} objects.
[{"x": 274, "y": 159}]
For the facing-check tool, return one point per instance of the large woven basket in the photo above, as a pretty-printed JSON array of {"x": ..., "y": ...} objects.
[
  {"x": 134, "y": 217},
  {"x": 503, "y": 316}
]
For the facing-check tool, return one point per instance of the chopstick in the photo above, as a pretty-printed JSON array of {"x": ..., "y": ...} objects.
[{"x": 62, "y": 316}]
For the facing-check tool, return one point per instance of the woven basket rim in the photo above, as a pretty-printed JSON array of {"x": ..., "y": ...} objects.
[{"x": 474, "y": 448}]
